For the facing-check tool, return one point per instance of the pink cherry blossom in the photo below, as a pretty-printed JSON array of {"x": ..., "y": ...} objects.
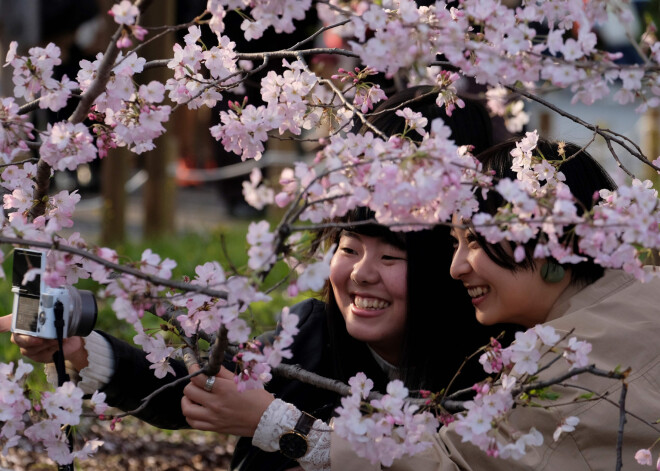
[{"x": 124, "y": 12}]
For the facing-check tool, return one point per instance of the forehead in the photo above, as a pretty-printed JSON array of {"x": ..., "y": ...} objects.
[{"x": 369, "y": 239}]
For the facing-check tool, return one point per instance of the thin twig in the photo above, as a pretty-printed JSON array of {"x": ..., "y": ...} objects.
[{"x": 622, "y": 423}]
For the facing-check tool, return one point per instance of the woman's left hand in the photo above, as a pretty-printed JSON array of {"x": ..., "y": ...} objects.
[{"x": 224, "y": 409}]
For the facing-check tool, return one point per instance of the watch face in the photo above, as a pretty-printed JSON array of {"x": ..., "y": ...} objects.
[{"x": 293, "y": 445}]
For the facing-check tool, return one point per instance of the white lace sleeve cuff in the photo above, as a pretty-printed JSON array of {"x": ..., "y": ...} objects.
[
  {"x": 280, "y": 417},
  {"x": 99, "y": 370}
]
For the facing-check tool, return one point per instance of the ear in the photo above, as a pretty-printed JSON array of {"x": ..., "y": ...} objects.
[{"x": 552, "y": 272}]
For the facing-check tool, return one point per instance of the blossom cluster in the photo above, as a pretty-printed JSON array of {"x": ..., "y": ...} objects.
[
  {"x": 192, "y": 62},
  {"x": 255, "y": 360},
  {"x": 55, "y": 410},
  {"x": 244, "y": 129},
  {"x": 407, "y": 185},
  {"x": 14, "y": 129},
  {"x": 33, "y": 75},
  {"x": 384, "y": 429},
  {"x": 498, "y": 45},
  {"x": 128, "y": 116},
  {"x": 278, "y": 14},
  {"x": 516, "y": 364}
]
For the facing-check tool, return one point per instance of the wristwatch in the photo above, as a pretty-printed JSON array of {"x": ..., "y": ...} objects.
[{"x": 293, "y": 444}]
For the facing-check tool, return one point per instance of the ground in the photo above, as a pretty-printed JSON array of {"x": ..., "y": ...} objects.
[{"x": 135, "y": 446}]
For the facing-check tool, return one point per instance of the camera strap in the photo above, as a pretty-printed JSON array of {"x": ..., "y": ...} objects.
[{"x": 62, "y": 376}]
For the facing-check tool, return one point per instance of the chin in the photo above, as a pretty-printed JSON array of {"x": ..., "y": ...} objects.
[{"x": 484, "y": 319}]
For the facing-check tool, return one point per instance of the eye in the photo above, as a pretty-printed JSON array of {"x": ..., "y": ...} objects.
[
  {"x": 347, "y": 250},
  {"x": 394, "y": 257},
  {"x": 472, "y": 240}
]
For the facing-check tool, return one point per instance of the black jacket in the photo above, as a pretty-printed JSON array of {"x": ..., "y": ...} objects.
[{"x": 133, "y": 380}]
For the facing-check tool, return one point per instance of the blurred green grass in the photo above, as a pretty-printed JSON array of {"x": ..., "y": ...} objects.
[{"x": 226, "y": 244}]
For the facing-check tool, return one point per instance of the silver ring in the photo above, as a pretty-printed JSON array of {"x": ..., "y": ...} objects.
[{"x": 208, "y": 386}]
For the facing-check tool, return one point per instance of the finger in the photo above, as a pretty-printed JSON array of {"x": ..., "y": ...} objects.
[
  {"x": 27, "y": 341},
  {"x": 5, "y": 323},
  {"x": 34, "y": 348},
  {"x": 196, "y": 415},
  {"x": 194, "y": 392},
  {"x": 199, "y": 380},
  {"x": 224, "y": 373},
  {"x": 190, "y": 360}
]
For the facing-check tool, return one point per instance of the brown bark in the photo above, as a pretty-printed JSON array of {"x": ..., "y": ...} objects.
[{"x": 160, "y": 190}]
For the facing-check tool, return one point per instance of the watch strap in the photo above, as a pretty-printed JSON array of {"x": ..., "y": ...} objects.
[{"x": 304, "y": 424}]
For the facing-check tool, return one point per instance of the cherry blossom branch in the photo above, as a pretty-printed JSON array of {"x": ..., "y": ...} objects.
[
  {"x": 317, "y": 34},
  {"x": 165, "y": 387},
  {"x": 616, "y": 404},
  {"x": 42, "y": 178},
  {"x": 55, "y": 245},
  {"x": 607, "y": 134},
  {"x": 569, "y": 374},
  {"x": 217, "y": 352}
]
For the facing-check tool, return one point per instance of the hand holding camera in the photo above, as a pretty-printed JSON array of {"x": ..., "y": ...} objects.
[{"x": 37, "y": 309}]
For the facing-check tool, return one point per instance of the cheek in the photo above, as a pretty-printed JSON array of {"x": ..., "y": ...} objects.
[
  {"x": 397, "y": 283},
  {"x": 339, "y": 273},
  {"x": 335, "y": 266}
]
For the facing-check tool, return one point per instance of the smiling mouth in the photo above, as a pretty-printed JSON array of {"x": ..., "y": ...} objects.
[
  {"x": 370, "y": 303},
  {"x": 478, "y": 291}
]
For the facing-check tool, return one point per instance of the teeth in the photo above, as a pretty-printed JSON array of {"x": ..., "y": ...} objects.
[
  {"x": 370, "y": 303},
  {"x": 478, "y": 291}
]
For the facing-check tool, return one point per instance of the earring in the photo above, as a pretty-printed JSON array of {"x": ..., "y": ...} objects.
[{"x": 552, "y": 272}]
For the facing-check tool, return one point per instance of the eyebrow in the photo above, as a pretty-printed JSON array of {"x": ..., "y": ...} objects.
[{"x": 351, "y": 234}]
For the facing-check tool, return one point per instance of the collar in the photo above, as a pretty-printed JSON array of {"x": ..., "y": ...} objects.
[
  {"x": 392, "y": 372},
  {"x": 611, "y": 282}
]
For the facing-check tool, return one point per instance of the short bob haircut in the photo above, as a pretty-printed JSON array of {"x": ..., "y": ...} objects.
[{"x": 584, "y": 177}]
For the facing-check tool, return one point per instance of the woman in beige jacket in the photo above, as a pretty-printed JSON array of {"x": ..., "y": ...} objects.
[{"x": 610, "y": 309}]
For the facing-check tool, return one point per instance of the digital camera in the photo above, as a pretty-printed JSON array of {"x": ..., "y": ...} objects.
[{"x": 35, "y": 303}]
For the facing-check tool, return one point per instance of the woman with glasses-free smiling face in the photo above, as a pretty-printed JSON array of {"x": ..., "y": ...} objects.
[
  {"x": 368, "y": 278},
  {"x": 499, "y": 294}
]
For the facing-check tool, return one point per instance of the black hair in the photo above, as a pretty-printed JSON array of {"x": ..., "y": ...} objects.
[
  {"x": 470, "y": 125},
  {"x": 584, "y": 177},
  {"x": 441, "y": 330}
]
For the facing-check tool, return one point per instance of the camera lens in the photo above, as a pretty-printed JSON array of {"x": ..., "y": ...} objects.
[
  {"x": 82, "y": 317},
  {"x": 89, "y": 313}
]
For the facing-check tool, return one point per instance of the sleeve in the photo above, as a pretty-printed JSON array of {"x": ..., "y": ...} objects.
[
  {"x": 98, "y": 372},
  {"x": 280, "y": 417},
  {"x": 100, "y": 366},
  {"x": 133, "y": 379}
]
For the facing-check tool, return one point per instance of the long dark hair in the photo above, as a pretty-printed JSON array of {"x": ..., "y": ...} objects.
[
  {"x": 441, "y": 330},
  {"x": 584, "y": 177},
  {"x": 470, "y": 125}
]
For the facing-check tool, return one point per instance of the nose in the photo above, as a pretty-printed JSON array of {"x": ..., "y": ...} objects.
[
  {"x": 459, "y": 264},
  {"x": 365, "y": 271}
]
